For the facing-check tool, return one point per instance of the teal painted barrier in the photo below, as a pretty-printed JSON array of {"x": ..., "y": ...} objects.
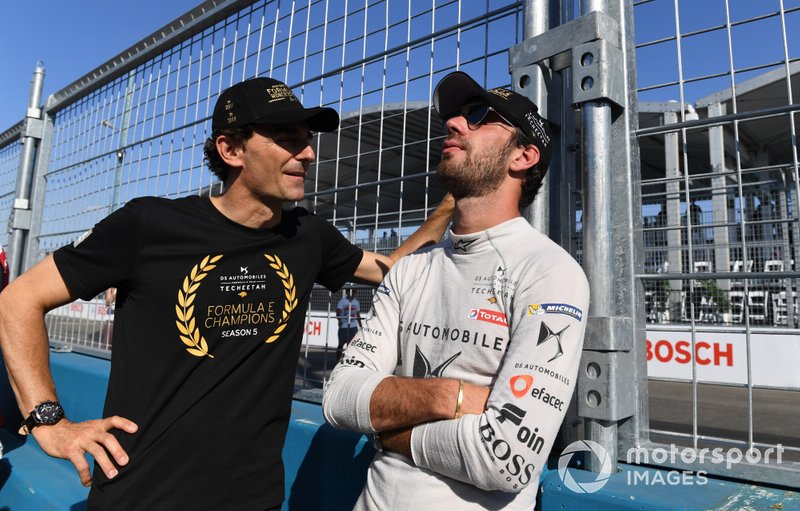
[{"x": 326, "y": 468}]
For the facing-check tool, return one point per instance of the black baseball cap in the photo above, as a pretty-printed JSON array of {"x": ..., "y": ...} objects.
[
  {"x": 458, "y": 88},
  {"x": 267, "y": 101}
]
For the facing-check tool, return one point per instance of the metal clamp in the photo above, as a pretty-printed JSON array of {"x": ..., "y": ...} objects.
[
  {"x": 20, "y": 218},
  {"x": 608, "y": 333},
  {"x": 590, "y": 45},
  {"x": 606, "y": 385},
  {"x": 33, "y": 128},
  {"x": 595, "y": 73}
]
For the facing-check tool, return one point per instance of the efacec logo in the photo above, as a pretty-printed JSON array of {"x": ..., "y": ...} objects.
[{"x": 521, "y": 383}]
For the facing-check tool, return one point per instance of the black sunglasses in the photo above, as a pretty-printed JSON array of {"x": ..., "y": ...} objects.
[{"x": 476, "y": 115}]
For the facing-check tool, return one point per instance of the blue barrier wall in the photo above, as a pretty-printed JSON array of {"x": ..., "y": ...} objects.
[{"x": 326, "y": 468}]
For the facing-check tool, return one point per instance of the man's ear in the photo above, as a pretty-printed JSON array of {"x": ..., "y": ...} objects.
[
  {"x": 523, "y": 158},
  {"x": 229, "y": 152}
]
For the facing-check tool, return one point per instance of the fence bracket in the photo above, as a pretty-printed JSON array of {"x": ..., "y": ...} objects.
[
  {"x": 606, "y": 385},
  {"x": 590, "y": 45}
]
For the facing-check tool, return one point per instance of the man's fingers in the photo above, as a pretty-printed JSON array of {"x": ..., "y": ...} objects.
[
  {"x": 111, "y": 445},
  {"x": 122, "y": 423},
  {"x": 71, "y": 440},
  {"x": 82, "y": 466},
  {"x": 101, "y": 459}
]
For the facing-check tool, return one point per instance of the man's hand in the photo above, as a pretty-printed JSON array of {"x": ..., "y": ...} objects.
[
  {"x": 373, "y": 266},
  {"x": 397, "y": 440},
  {"x": 70, "y": 440}
]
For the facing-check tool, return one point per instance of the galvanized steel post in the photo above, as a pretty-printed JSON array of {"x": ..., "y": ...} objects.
[
  {"x": 612, "y": 387},
  {"x": 598, "y": 247},
  {"x": 38, "y": 189},
  {"x": 530, "y": 82},
  {"x": 31, "y": 135}
]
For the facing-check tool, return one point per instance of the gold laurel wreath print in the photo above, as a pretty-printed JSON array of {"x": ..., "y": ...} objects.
[
  {"x": 190, "y": 335},
  {"x": 289, "y": 292}
]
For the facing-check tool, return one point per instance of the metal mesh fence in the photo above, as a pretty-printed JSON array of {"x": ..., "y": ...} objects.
[
  {"x": 719, "y": 90},
  {"x": 376, "y": 62},
  {"x": 10, "y": 151}
]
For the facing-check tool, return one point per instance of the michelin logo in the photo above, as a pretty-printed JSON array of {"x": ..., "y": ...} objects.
[{"x": 536, "y": 309}]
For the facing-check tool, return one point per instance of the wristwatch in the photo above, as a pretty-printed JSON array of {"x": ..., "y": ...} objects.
[{"x": 45, "y": 413}]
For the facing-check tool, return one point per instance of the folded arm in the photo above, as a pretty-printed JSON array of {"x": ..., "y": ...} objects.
[
  {"x": 422, "y": 400},
  {"x": 506, "y": 447}
]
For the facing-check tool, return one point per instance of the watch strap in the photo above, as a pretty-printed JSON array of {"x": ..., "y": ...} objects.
[{"x": 27, "y": 425}]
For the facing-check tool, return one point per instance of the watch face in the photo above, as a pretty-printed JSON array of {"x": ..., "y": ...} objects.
[{"x": 48, "y": 412}]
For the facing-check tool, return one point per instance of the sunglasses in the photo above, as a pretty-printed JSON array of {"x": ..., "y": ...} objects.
[{"x": 476, "y": 115}]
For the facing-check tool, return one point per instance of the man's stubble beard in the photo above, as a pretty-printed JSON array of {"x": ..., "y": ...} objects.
[{"x": 478, "y": 174}]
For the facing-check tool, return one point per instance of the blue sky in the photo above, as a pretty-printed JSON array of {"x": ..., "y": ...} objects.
[{"x": 71, "y": 38}]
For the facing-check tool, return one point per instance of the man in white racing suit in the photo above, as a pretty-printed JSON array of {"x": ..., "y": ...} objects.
[{"x": 465, "y": 366}]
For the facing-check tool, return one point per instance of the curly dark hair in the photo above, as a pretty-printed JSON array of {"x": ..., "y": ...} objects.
[
  {"x": 533, "y": 176},
  {"x": 216, "y": 164}
]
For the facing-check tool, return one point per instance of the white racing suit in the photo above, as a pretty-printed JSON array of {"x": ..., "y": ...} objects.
[{"x": 504, "y": 308}]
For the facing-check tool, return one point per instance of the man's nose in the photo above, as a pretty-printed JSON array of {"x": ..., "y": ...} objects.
[
  {"x": 456, "y": 123},
  {"x": 307, "y": 154}
]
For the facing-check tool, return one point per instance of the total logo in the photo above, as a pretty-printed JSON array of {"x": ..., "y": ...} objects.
[{"x": 489, "y": 316}]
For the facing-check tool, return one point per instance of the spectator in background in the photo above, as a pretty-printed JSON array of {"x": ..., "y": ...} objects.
[
  {"x": 348, "y": 312},
  {"x": 108, "y": 324},
  {"x": 111, "y": 298}
]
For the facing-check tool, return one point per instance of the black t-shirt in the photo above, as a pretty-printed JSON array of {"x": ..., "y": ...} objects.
[{"x": 207, "y": 332}]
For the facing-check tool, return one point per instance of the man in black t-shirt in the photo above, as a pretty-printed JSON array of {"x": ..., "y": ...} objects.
[{"x": 211, "y": 295}]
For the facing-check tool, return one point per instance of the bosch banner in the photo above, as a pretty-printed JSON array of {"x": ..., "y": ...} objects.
[{"x": 722, "y": 357}]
